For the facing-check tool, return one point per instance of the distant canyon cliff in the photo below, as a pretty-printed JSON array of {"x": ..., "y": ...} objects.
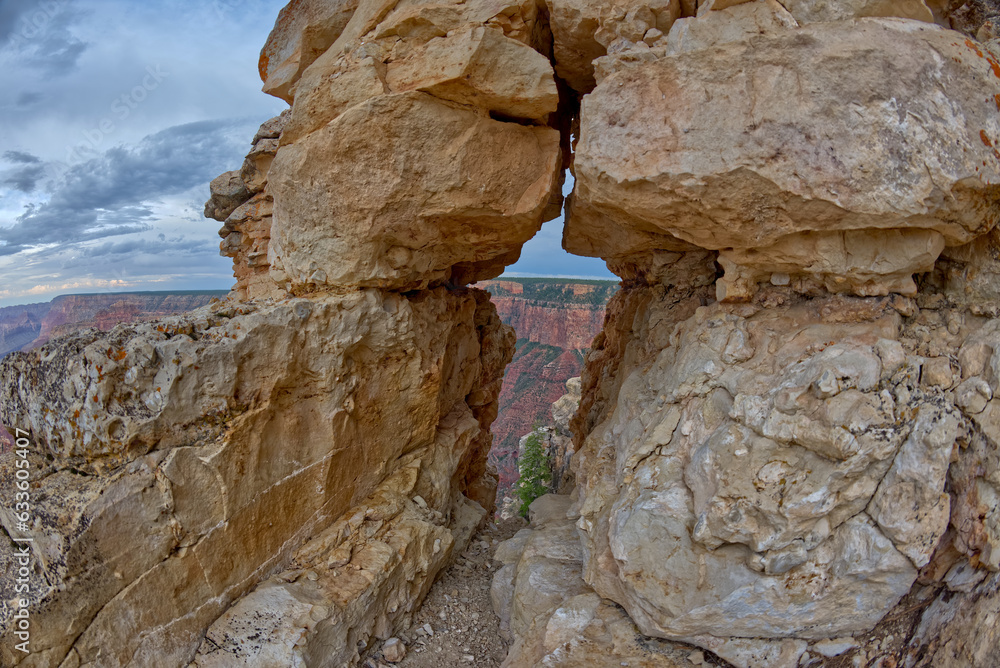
[
  {"x": 31, "y": 325},
  {"x": 555, "y": 321}
]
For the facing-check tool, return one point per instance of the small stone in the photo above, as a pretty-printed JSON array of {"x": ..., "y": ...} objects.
[
  {"x": 468, "y": 658},
  {"x": 394, "y": 650},
  {"x": 652, "y": 35},
  {"x": 973, "y": 395},
  {"x": 428, "y": 629},
  {"x": 937, "y": 372},
  {"x": 697, "y": 658},
  {"x": 834, "y": 647}
]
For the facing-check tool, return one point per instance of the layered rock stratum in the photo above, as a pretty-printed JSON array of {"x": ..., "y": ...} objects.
[
  {"x": 786, "y": 443},
  {"x": 24, "y": 327},
  {"x": 556, "y": 321}
]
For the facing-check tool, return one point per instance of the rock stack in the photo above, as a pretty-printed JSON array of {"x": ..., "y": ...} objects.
[
  {"x": 787, "y": 426},
  {"x": 787, "y": 442}
]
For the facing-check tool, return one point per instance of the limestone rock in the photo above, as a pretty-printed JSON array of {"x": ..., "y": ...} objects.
[
  {"x": 303, "y": 31},
  {"x": 246, "y": 232},
  {"x": 395, "y": 193},
  {"x": 555, "y": 618},
  {"x": 583, "y": 30},
  {"x": 481, "y": 67},
  {"x": 699, "y": 453},
  {"x": 740, "y": 22},
  {"x": 785, "y": 178},
  {"x": 228, "y": 192},
  {"x": 158, "y": 430},
  {"x": 394, "y": 650},
  {"x": 815, "y": 11}
]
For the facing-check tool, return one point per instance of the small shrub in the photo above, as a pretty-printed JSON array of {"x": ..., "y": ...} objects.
[{"x": 536, "y": 473}]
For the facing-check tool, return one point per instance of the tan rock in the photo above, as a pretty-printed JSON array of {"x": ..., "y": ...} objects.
[
  {"x": 332, "y": 85},
  {"x": 717, "y": 5},
  {"x": 171, "y": 422},
  {"x": 394, "y": 650},
  {"x": 482, "y": 68},
  {"x": 228, "y": 192},
  {"x": 742, "y": 21},
  {"x": 894, "y": 161},
  {"x": 582, "y": 31},
  {"x": 411, "y": 197},
  {"x": 303, "y": 31},
  {"x": 815, "y": 11}
]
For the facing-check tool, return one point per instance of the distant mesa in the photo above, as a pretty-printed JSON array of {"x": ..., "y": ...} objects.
[{"x": 29, "y": 326}]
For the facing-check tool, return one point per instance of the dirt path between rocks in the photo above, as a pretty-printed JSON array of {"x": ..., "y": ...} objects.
[{"x": 458, "y": 612}]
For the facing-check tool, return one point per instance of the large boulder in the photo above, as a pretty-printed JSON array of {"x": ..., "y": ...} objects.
[
  {"x": 783, "y": 470},
  {"x": 400, "y": 189},
  {"x": 156, "y": 448},
  {"x": 303, "y": 31},
  {"x": 846, "y": 155}
]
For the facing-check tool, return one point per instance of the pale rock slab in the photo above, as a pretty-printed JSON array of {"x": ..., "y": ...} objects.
[
  {"x": 483, "y": 68},
  {"x": 916, "y": 480},
  {"x": 816, "y": 11},
  {"x": 583, "y": 30},
  {"x": 304, "y": 30},
  {"x": 786, "y": 163},
  {"x": 149, "y": 442},
  {"x": 395, "y": 192},
  {"x": 740, "y": 21}
]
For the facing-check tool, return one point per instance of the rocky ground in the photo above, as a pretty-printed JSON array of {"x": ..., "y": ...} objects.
[{"x": 456, "y": 627}]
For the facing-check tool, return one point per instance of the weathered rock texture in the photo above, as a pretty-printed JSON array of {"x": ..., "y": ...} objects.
[
  {"x": 773, "y": 462},
  {"x": 794, "y": 171},
  {"x": 189, "y": 432},
  {"x": 787, "y": 462},
  {"x": 380, "y": 178},
  {"x": 278, "y": 479}
]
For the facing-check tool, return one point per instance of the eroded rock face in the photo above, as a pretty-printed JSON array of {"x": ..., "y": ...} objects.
[
  {"x": 187, "y": 432},
  {"x": 305, "y": 29},
  {"x": 395, "y": 192},
  {"x": 246, "y": 232},
  {"x": 781, "y": 469},
  {"x": 380, "y": 178},
  {"x": 853, "y": 153}
]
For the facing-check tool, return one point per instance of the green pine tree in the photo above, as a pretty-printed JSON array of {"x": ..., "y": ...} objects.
[{"x": 536, "y": 473}]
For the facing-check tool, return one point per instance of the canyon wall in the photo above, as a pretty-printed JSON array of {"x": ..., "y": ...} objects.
[
  {"x": 555, "y": 321},
  {"x": 20, "y": 325},
  {"x": 278, "y": 478},
  {"x": 787, "y": 444},
  {"x": 23, "y": 327}
]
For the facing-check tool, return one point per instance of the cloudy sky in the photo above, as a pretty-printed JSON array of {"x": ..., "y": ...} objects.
[{"x": 115, "y": 116}]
